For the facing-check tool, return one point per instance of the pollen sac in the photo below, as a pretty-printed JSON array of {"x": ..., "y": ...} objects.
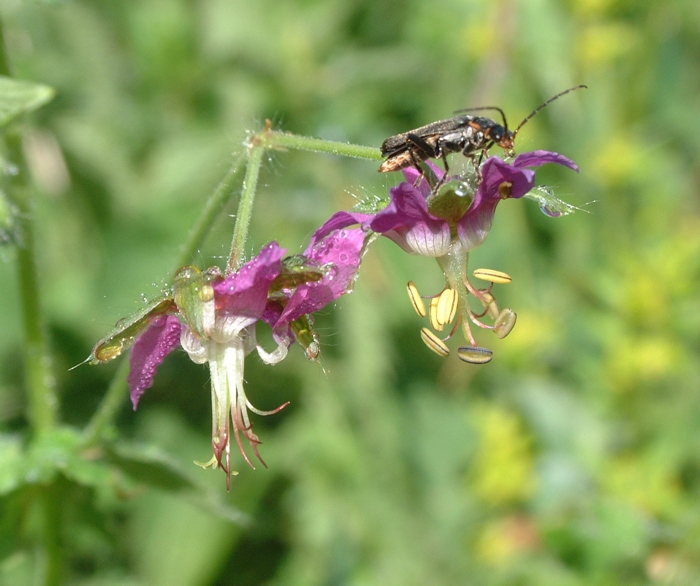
[
  {"x": 474, "y": 354},
  {"x": 435, "y": 322},
  {"x": 493, "y": 276},
  {"x": 447, "y": 306},
  {"x": 416, "y": 299},
  {"x": 505, "y": 322},
  {"x": 434, "y": 343}
]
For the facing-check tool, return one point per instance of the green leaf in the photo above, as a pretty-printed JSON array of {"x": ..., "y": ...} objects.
[
  {"x": 151, "y": 466},
  {"x": 157, "y": 469},
  {"x": 61, "y": 451},
  {"x": 12, "y": 466},
  {"x": 18, "y": 97}
]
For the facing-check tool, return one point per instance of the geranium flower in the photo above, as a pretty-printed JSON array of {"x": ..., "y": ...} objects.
[
  {"x": 447, "y": 222},
  {"x": 213, "y": 317}
]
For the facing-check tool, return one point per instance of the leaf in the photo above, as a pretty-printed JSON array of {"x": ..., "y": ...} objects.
[
  {"x": 61, "y": 451},
  {"x": 152, "y": 466},
  {"x": 12, "y": 467},
  {"x": 18, "y": 97}
]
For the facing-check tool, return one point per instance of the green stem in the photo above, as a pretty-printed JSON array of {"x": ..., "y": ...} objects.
[
  {"x": 49, "y": 502},
  {"x": 110, "y": 405},
  {"x": 39, "y": 379},
  {"x": 256, "y": 149},
  {"x": 272, "y": 139},
  {"x": 275, "y": 139}
]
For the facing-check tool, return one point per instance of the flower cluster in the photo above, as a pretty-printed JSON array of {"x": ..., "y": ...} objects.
[{"x": 213, "y": 315}]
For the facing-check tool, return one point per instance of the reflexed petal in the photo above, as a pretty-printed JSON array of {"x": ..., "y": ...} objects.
[
  {"x": 149, "y": 351},
  {"x": 244, "y": 292},
  {"x": 537, "y": 158},
  {"x": 338, "y": 221},
  {"x": 342, "y": 252}
]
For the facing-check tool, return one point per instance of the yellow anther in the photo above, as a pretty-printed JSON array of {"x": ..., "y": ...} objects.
[
  {"x": 493, "y": 276},
  {"x": 434, "y": 343},
  {"x": 474, "y": 354},
  {"x": 447, "y": 306},
  {"x": 434, "y": 318},
  {"x": 505, "y": 189},
  {"x": 505, "y": 322},
  {"x": 416, "y": 299}
]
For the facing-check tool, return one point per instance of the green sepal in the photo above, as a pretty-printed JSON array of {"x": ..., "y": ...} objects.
[
  {"x": 128, "y": 329},
  {"x": 549, "y": 205},
  {"x": 18, "y": 97},
  {"x": 307, "y": 337},
  {"x": 194, "y": 295}
]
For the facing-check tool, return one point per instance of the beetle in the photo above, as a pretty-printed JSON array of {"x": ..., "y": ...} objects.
[{"x": 472, "y": 135}]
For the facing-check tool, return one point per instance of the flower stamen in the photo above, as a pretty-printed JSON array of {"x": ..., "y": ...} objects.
[
  {"x": 416, "y": 299},
  {"x": 475, "y": 354},
  {"x": 493, "y": 276},
  {"x": 434, "y": 343}
]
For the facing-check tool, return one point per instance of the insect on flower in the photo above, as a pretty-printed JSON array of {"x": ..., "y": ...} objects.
[{"x": 472, "y": 135}]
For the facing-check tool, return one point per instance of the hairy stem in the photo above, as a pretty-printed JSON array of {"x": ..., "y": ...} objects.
[
  {"x": 39, "y": 378},
  {"x": 272, "y": 139}
]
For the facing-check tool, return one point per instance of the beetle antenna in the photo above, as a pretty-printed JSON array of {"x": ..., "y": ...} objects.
[
  {"x": 549, "y": 101},
  {"x": 503, "y": 114}
]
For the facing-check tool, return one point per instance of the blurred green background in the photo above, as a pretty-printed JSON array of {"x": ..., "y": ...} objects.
[{"x": 572, "y": 459}]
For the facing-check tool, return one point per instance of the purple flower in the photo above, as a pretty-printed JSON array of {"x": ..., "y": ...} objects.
[
  {"x": 447, "y": 222},
  {"x": 215, "y": 323},
  {"x": 423, "y": 223},
  {"x": 213, "y": 317}
]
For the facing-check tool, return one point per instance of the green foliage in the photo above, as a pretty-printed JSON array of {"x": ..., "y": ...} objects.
[{"x": 571, "y": 459}]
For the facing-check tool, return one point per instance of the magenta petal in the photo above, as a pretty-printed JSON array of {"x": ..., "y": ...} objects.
[
  {"x": 244, "y": 292},
  {"x": 407, "y": 221},
  {"x": 341, "y": 252},
  {"x": 411, "y": 174},
  {"x": 149, "y": 351},
  {"x": 537, "y": 158},
  {"x": 338, "y": 221},
  {"x": 495, "y": 172}
]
